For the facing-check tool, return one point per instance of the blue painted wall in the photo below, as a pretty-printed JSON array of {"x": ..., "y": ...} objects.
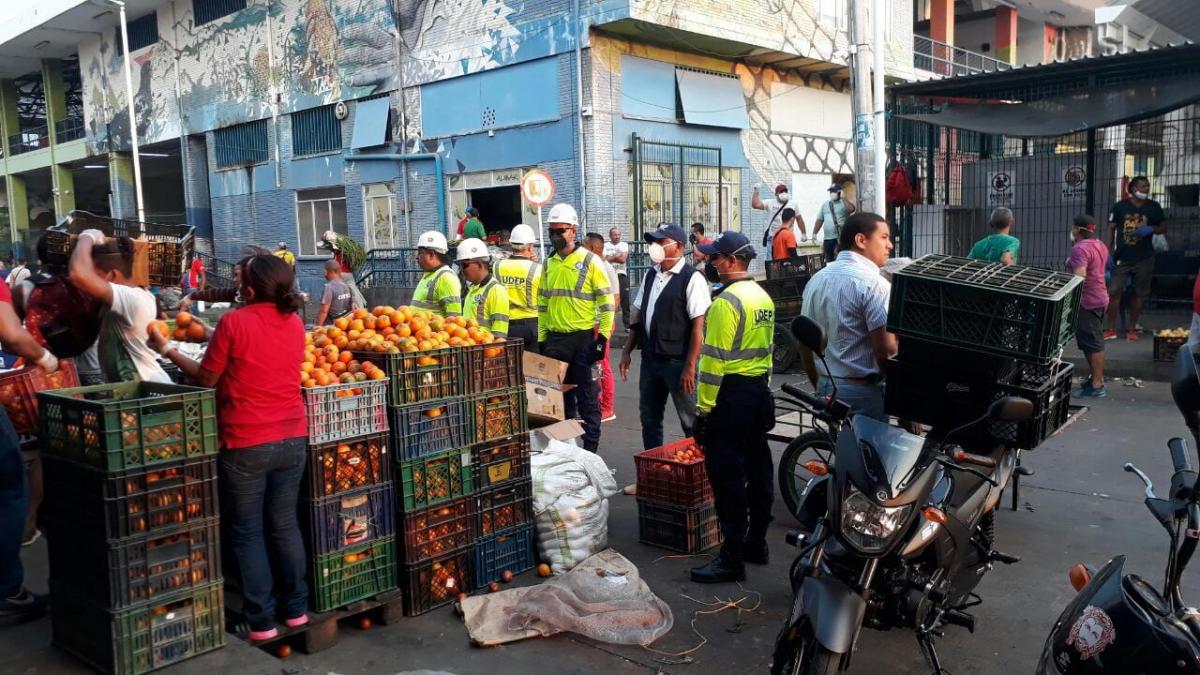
[{"x": 504, "y": 97}]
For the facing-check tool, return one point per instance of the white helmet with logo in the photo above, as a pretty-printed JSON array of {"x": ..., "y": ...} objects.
[
  {"x": 433, "y": 240},
  {"x": 563, "y": 213},
  {"x": 522, "y": 234},
  {"x": 472, "y": 249}
]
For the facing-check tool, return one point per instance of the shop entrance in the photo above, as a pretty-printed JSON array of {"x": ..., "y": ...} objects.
[{"x": 499, "y": 207}]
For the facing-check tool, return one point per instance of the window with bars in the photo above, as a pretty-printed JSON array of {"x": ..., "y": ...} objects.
[
  {"x": 210, "y": 10},
  {"x": 316, "y": 131},
  {"x": 318, "y": 211},
  {"x": 143, "y": 32},
  {"x": 241, "y": 145}
]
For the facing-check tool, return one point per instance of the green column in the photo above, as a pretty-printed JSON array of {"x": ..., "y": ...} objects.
[
  {"x": 120, "y": 183},
  {"x": 56, "y": 110},
  {"x": 18, "y": 207},
  {"x": 14, "y": 186}
]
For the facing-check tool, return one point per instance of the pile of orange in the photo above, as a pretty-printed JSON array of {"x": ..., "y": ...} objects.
[
  {"x": 401, "y": 329},
  {"x": 323, "y": 366},
  {"x": 187, "y": 329}
]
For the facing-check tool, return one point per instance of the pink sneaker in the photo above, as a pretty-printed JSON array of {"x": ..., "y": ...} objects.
[
  {"x": 260, "y": 635},
  {"x": 296, "y": 622}
]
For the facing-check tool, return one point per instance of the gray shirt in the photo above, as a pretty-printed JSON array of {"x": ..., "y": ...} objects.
[{"x": 337, "y": 295}]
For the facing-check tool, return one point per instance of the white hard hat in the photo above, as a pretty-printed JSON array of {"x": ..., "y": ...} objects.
[
  {"x": 563, "y": 213},
  {"x": 472, "y": 249},
  {"x": 522, "y": 234},
  {"x": 433, "y": 240}
]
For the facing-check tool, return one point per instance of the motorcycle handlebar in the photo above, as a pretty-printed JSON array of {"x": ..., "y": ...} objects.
[
  {"x": 1179, "y": 454},
  {"x": 805, "y": 397}
]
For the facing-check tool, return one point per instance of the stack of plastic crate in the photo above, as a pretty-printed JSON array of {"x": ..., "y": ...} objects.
[
  {"x": 132, "y": 523},
  {"x": 348, "y": 510},
  {"x": 675, "y": 499}
]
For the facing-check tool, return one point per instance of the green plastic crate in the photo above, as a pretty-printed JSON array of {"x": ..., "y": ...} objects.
[
  {"x": 143, "y": 638},
  {"x": 498, "y": 414},
  {"x": 129, "y": 425},
  {"x": 353, "y": 574},
  {"x": 435, "y": 478},
  {"x": 413, "y": 379}
]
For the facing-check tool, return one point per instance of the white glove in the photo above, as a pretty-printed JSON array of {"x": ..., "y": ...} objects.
[
  {"x": 96, "y": 236},
  {"x": 48, "y": 361}
]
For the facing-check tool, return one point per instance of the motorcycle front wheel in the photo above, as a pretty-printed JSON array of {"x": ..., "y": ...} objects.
[
  {"x": 792, "y": 474},
  {"x": 808, "y": 657}
]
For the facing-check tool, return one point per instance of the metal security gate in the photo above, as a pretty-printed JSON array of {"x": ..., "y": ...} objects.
[{"x": 680, "y": 184}]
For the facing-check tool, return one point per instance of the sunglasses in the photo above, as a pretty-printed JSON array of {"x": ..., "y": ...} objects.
[{"x": 562, "y": 230}]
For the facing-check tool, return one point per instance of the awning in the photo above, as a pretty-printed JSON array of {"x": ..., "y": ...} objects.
[
  {"x": 370, "y": 123},
  {"x": 1078, "y": 111},
  {"x": 712, "y": 100}
]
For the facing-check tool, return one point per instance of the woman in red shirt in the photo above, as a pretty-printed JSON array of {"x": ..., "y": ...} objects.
[{"x": 252, "y": 360}]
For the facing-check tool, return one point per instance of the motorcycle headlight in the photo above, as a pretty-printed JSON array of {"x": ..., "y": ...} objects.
[{"x": 868, "y": 526}]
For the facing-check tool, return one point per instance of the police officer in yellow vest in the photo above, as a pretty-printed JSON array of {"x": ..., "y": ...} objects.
[
  {"x": 487, "y": 300},
  {"x": 521, "y": 275},
  {"x": 439, "y": 289},
  {"x": 575, "y": 317},
  {"x": 736, "y": 408}
]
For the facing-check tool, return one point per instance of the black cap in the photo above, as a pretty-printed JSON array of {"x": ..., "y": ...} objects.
[
  {"x": 667, "y": 231},
  {"x": 729, "y": 243}
]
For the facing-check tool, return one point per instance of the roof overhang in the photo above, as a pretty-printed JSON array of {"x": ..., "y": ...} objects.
[{"x": 53, "y": 29}]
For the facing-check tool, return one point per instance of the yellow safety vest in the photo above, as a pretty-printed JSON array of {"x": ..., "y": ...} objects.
[
  {"x": 488, "y": 303},
  {"x": 522, "y": 278},
  {"x": 440, "y": 292},
  {"x": 739, "y": 330},
  {"x": 574, "y": 295}
]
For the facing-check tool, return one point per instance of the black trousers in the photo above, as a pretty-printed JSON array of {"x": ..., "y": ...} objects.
[
  {"x": 623, "y": 287},
  {"x": 524, "y": 329},
  {"x": 738, "y": 458},
  {"x": 583, "y": 401}
]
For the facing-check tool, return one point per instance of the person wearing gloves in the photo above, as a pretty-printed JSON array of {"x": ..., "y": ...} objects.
[
  {"x": 736, "y": 409},
  {"x": 775, "y": 207},
  {"x": 103, "y": 269},
  {"x": 487, "y": 299},
  {"x": 575, "y": 317},
  {"x": 1132, "y": 225},
  {"x": 832, "y": 216},
  {"x": 522, "y": 276},
  {"x": 439, "y": 289}
]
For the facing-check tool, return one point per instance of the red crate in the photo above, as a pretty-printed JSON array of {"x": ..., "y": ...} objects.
[
  {"x": 19, "y": 388},
  {"x": 339, "y": 466},
  {"x": 505, "y": 506},
  {"x": 493, "y": 366},
  {"x": 664, "y": 479},
  {"x": 438, "y": 530},
  {"x": 340, "y": 411},
  {"x": 498, "y": 462},
  {"x": 436, "y": 582}
]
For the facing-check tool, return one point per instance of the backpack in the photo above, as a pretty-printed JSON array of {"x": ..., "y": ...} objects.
[{"x": 899, "y": 188}]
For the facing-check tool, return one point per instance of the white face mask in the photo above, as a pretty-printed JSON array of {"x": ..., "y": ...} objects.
[
  {"x": 782, "y": 197},
  {"x": 1142, "y": 195},
  {"x": 1071, "y": 237},
  {"x": 835, "y": 196},
  {"x": 657, "y": 253}
]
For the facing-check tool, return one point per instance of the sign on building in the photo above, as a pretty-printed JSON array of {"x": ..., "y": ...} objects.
[
  {"x": 1001, "y": 189},
  {"x": 1074, "y": 183}
]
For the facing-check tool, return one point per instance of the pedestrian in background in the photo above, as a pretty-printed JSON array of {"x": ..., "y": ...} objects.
[
  {"x": 698, "y": 239},
  {"x": 336, "y": 299},
  {"x": 775, "y": 207},
  {"x": 575, "y": 317},
  {"x": 608, "y": 387},
  {"x": 487, "y": 300},
  {"x": 282, "y": 252},
  {"x": 784, "y": 245},
  {"x": 999, "y": 246},
  {"x": 668, "y": 326},
  {"x": 1088, "y": 259},
  {"x": 832, "y": 215},
  {"x": 521, "y": 275},
  {"x": 473, "y": 227},
  {"x": 439, "y": 290},
  {"x": 20, "y": 272},
  {"x": 1133, "y": 224},
  {"x": 616, "y": 253}
]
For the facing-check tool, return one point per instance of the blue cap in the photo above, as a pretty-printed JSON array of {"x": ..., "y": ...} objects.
[
  {"x": 729, "y": 243},
  {"x": 667, "y": 231}
]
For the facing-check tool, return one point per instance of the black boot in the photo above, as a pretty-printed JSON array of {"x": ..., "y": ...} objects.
[
  {"x": 724, "y": 568},
  {"x": 756, "y": 552}
]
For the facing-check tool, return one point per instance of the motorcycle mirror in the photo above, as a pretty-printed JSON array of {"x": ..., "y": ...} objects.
[
  {"x": 1185, "y": 387},
  {"x": 810, "y": 334},
  {"x": 1011, "y": 409}
]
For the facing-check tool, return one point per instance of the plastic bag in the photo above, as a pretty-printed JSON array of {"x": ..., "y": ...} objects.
[
  {"x": 1160, "y": 243},
  {"x": 571, "y": 487}
]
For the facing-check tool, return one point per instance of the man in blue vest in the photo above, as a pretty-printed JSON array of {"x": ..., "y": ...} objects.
[{"x": 668, "y": 324}]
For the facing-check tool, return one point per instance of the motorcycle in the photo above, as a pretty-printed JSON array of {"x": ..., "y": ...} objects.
[
  {"x": 1119, "y": 622},
  {"x": 898, "y": 533}
]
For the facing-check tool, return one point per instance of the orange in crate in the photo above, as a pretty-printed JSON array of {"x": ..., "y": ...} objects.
[
  {"x": 673, "y": 474},
  {"x": 18, "y": 392}
]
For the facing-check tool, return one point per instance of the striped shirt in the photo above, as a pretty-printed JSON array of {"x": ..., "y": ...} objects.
[{"x": 849, "y": 299}]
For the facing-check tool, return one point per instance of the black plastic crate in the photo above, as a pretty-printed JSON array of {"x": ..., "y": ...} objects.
[
  {"x": 341, "y": 466},
  {"x": 955, "y": 359},
  {"x": 434, "y": 583},
  {"x": 498, "y": 414},
  {"x": 349, "y": 519},
  {"x": 806, "y": 264},
  {"x": 788, "y": 295},
  {"x": 686, "y": 530},
  {"x": 438, "y": 530},
  {"x": 421, "y": 429},
  {"x": 1054, "y": 407},
  {"x": 493, "y": 366},
  {"x": 1167, "y": 348},
  {"x": 504, "y": 507},
  {"x": 162, "y": 498},
  {"x": 140, "y": 639},
  {"x": 136, "y": 570},
  {"x": 508, "y": 551},
  {"x": 1020, "y": 312},
  {"x": 497, "y": 462},
  {"x": 170, "y": 245}
]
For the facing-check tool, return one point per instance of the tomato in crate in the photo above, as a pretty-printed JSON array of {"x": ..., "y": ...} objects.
[
  {"x": 505, "y": 506},
  {"x": 339, "y": 466},
  {"x": 436, "y": 582},
  {"x": 435, "y": 478},
  {"x": 438, "y": 529},
  {"x": 350, "y": 518},
  {"x": 357, "y": 573},
  {"x": 498, "y": 414},
  {"x": 673, "y": 474},
  {"x": 19, "y": 389}
]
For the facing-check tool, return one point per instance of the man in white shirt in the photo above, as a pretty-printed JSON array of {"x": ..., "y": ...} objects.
[
  {"x": 849, "y": 299},
  {"x": 19, "y": 273},
  {"x": 775, "y": 207},
  {"x": 668, "y": 325},
  {"x": 616, "y": 253}
]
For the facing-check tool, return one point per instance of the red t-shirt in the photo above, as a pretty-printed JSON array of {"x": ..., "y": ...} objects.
[
  {"x": 258, "y": 351},
  {"x": 5, "y": 294},
  {"x": 1195, "y": 296},
  {"x": 194, "y": 274}
]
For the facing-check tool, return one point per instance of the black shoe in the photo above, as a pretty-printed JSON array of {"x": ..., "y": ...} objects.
[
  {"x": 722, "y": 569},
  {"x": 756, "y": 552},
  {"x": 22, "y": 607}
]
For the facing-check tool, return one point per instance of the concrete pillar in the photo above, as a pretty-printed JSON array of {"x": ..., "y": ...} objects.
[
  {"x": 64, "y": 190},
  {"x": 197, "y": 206},
  {"x": 1006, "y": 35},
  {"x": 55, "y": 94},
  {"x": 941, "y": 29},
  {"x": 1049, "y": 39},
  {"x": 14, "y": 186},
  {"x": 122, "y": 199},
  {"x": 10, "y": 122},
  {"x": 18, "y": 207}
]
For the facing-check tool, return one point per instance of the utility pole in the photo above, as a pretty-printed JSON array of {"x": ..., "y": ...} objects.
[
  {"x": 879, "y": 116},
  {"x": 868, "y": 110}
]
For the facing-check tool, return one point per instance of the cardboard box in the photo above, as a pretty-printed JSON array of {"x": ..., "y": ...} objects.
[
  {"x": 544, "y": 370},
  {"x": 544, "y": 389},
  {"x": 566, "y": 431}
]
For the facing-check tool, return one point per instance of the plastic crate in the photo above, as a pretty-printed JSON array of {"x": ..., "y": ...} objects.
[
  {"x": 510, "y": 550},
  {"x": 19, "y": 389},
  {"x": 438, "y": 529},
  {"x": 170, "y": 245},
  {"x": 421, "y": 429},
  {"x": 788, "y": 295},
  {"x": 1165, "y": 348},
  {"x": 136, "y": 570},
  {"x": 173, "y": 628},
  {"x": 420, "y": 376},
  {"x": 357, "y": 573},
  {"x": 505, "y": 507},
  {"x": 340, "y": 466},
  {"x": 351, "y": 518},
  {"x": 683, "y": 530},
  {"x": 433, "y": 583},
  {"x": 161, "y": 499},
  {"x": 955, "y": 359},
  {"x": 498, "y": 462},
  {"x": 806, "y": 264},
  {"x": 497, "y": 415},
  {"x": 1054, "y": 407},
  {"x": 1021, "y": 312},
  {"x": 130, "y": 424},
  {"x": 341, "y": 411},
  {"x": 435, "y": 478},
  {"x": 664, "y": 479},
  {"x": 494, "y": 366}
]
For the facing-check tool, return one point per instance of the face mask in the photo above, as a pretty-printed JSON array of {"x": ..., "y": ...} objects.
[
  {"x": 782, "y": 197},
  {"x": 711, "y": 273},
  {"x": 657, "y": 253},
  {"x": 558, "y": 241},
  {"x": 1142, "y": 195},
  {"x": 1071, "y": 237},
  {"x": 835, "y": 197}
]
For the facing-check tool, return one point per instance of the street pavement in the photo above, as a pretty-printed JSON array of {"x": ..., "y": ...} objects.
[{"x": 1080, "y": 506}]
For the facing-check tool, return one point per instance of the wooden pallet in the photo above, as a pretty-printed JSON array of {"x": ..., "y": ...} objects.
[{"x": 322, "y": 630}]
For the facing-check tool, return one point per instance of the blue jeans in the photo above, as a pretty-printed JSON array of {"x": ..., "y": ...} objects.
[
  {"x": 260, "y": 486},
  {"x": 863, "y": 399},
  {"x": 14, "y": 500},
  {"x": 658, "y": 378}
]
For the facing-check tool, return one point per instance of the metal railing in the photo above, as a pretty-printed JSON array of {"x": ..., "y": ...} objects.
[
  {"x": 70, "y": 129},
  {"x": 28, "y": 140},
  {"x": 218, "y": 273},
  {"x": 950, "y": 61}
]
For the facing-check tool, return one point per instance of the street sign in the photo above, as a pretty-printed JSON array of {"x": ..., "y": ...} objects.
[{"x": 536, "y": 187}]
